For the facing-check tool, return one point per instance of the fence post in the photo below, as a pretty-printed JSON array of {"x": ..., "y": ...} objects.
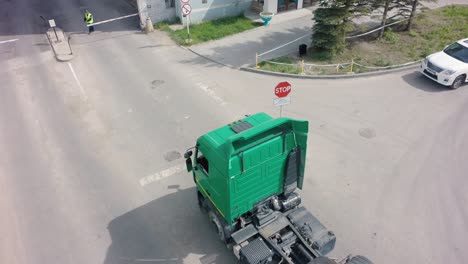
[
  {"x": 302, "y": 67},
  {"x": 352, "y": 64},
  {"x": 256, "y": 61}
]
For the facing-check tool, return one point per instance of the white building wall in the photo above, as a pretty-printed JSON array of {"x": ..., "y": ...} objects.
[{"x": 157, "y": 10}]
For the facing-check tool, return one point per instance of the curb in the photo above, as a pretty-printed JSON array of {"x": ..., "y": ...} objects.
[
  {"x": 207, "y": 58},
  {"x": 340, "y": 76},
  {"x": 66, "y": 53}
]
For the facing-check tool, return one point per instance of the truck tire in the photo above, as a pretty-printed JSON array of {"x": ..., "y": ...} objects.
[
  {"x": 201, "y": 203},
  {"x": 218, "y": 226},
  {"x": 359, "y": 260}
]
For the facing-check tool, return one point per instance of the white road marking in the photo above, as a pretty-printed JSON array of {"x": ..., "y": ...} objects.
[
  {"x": 161, "y": 175},
  {"x": 210, "y": 93},
  {"x": 10, "y": 40},
  {"x": 83, "y": 93}
]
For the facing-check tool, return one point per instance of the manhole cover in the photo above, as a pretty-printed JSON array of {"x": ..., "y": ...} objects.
[
  {"x": 172, "y": 155},
  {"x": 156, "y": 84},
  {"x": 367, "y": 132}
]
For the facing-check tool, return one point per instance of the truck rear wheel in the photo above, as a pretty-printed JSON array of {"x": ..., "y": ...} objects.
[{"x": 359, "y": 260}]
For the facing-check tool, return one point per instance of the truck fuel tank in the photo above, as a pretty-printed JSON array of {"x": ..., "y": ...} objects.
[{"x": 290, "y": 202}]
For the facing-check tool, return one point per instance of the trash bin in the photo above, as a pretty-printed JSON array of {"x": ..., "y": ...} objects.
[{"x": 302, "y": 49}]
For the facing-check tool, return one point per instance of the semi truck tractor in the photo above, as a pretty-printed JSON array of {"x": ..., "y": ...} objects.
[{"x": 247, "y": 175}]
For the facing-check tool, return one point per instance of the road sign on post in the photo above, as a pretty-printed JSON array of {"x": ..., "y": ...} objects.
[
  {"x": 186, "y": 9},
  {"x": 281, "y": 101},
  {"x": 282, "y": 91},
  {"x": 52, "y": 25}
]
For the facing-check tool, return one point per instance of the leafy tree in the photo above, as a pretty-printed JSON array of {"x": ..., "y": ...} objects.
[
  {"x": 412, "y": 14},
  {"x": 401, "y": 9}
]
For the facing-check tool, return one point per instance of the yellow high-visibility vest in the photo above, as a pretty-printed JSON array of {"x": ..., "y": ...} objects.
[{"x": 89, "y": 18}]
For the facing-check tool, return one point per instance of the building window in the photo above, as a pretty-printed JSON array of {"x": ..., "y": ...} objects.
[{"x": 170, "y": 3}]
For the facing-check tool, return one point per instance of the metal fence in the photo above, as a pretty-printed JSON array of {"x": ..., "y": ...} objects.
[
  {"x": 345, "y": 67},
  {"x": 308, "y": 68}
]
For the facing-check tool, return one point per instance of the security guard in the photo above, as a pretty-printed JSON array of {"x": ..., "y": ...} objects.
[{"x": 88, "y": 17}]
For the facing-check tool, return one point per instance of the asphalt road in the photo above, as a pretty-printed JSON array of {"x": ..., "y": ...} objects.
[{"x": 91, "y": 168}]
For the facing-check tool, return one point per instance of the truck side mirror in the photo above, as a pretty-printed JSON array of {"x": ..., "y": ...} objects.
[
  {"x": 188, "y": 163},
  {"x": 188, "y": 154}
]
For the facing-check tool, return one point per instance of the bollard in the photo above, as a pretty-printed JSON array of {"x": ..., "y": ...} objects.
[
  {"x": 256, "y": 61},
  {"x": 302, "y": 67},
  {"x": 351, "y": 69},
  {"x": 149, "y": 26}
]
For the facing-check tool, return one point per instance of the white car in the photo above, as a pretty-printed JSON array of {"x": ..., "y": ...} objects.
[{"x": 448, "y": 67}]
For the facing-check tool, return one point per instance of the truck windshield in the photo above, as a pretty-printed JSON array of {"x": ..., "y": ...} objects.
[{"x": 458, "y": 52}]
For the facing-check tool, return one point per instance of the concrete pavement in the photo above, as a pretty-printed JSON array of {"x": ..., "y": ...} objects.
[
  {"x": 83, "y": 142},
  {"x": 78, "y": 138}
]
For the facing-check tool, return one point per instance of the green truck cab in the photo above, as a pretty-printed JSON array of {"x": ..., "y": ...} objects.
[{"x": 246, "y": 175}]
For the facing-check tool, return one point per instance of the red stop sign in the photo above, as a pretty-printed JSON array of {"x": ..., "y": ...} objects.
[{"x": 282, "y": 89}]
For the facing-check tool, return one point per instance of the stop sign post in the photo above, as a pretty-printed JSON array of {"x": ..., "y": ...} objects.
[{"x": 282, "y": 91}]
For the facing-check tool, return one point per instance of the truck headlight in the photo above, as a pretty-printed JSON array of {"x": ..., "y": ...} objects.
[
  {"x": 425, "y": 61},
  {"x": 448, "y": 72}
]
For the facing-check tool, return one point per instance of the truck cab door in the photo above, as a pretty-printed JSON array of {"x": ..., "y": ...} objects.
[{"x": 202, "y": 170}]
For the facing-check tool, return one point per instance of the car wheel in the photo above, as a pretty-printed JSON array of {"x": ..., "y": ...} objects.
[{"x": 458, "y": 82}]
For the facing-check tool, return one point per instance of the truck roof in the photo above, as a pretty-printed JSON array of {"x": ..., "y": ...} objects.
[
  {"x": 219, "y": 137},
  {"x": 223, "y": 139}
]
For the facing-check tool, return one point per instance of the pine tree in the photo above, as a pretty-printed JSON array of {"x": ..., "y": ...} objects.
[
  {"x": 329, "y": 30},
  {"x": 331, "y": 18}
]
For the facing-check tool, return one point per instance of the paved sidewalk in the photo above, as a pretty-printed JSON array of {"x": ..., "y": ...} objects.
[{"x": 239, "y": 50}]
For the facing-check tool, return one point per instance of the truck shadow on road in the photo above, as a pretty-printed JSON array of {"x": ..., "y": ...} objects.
[{"x": 168, "y": 230}]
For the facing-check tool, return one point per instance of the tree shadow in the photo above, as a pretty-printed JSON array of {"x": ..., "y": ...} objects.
[
  {"x": 167, "y": 230},
  {"x": 240, "y": 50},
  {"x": 421, "y": 82}
]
